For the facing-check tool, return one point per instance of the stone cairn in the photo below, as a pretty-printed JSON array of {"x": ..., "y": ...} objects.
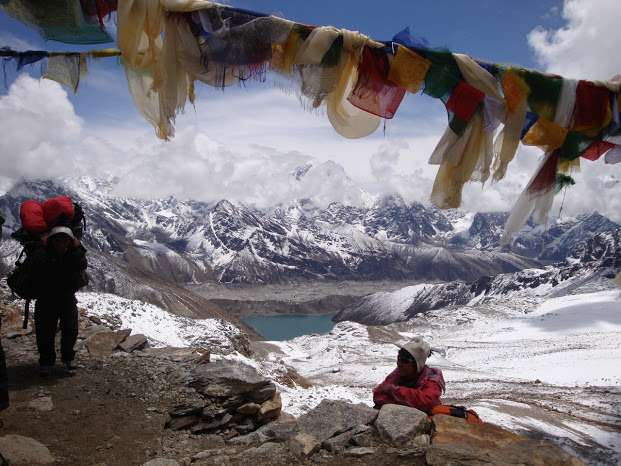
[{"x": 235, "y": 400}]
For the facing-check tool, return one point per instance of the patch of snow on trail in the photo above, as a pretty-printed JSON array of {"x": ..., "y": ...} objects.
[{"x": 159, "y": 326}]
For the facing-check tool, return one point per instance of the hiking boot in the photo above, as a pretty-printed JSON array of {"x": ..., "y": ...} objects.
[
  {"x": 70, "y": 365},
  {"x": 45, "y": 371}
]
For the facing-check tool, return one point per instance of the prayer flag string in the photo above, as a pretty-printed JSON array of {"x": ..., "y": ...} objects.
[{"x": 167, "y": 45}]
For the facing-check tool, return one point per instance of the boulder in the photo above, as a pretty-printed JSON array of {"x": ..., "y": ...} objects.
[
  {"x": 328, "y": 419},
  {"x": 232, "y": 403},
  {"x": 187, "y": 409},
  {"x": 303, "y": 445},
  {"x": 270, "y": 453},
  {"x": 212, "y": 411},
  {"x": 270, "y": 409},
  {"x": 18, "y": 449},
  {"x": 360, "y": 451},
  {"x": 248, "y": 408},
  {"x": 363, "y": 436},
  {"x": 400, "y": 425},
  {"x": 338, "y": 443},
  {"x": 261, "y": 394},
  {"x": 458, "y": 441},
  {"x": 42, "y": 403},
  {"x": 212, "y": 424},
  {"x": 271, "y": 432},
  {"x": 93, "y": 330}
]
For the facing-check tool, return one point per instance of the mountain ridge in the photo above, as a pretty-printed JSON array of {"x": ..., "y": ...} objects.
[
  {"x": 191, "y": 241},
  {"x": 159, "y": 250},
  {"x": 598, "y": 259}
]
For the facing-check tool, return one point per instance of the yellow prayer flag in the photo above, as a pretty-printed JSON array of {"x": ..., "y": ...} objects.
[
  {"x": 283, "y": 55},
  {"x": 514, "y": 88},
  {"x": 568, "y": 166},
  {"x": 408, "y": 69},
  {"x": 68, "y": 69},
  {"x": 546, "y": 135}
]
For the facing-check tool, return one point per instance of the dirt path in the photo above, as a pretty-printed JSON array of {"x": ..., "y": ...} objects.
[{"x": 103, "y": 413}]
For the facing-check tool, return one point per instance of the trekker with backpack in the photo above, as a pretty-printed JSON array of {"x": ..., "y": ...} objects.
[
  {"x": 57, "y": 264},
  {"x": 412, "y": 383}
]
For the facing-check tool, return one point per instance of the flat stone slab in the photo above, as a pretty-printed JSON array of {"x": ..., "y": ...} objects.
[
  {"x": 103, "y": 344},
  {"x": 334, "y": 417},
  {"x": 221, "y": 378}
]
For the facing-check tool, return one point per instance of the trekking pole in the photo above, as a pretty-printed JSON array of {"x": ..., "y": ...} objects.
[{"x": 26, "y": 312}]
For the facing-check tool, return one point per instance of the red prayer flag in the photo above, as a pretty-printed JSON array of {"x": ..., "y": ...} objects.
[
  {"x": 464, "y": 100},
  {"x": 545, "y": 180},
  {"x": 597, "y": 149},
  {"x": 592, "y": 110},
  {"x": 374, "y": 93}
]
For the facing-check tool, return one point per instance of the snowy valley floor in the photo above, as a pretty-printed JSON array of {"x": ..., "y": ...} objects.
[{"x": 544, "y": 368}]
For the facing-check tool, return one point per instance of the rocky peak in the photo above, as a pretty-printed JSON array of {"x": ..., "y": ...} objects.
[
  {"x": 299, "y": 172},
  {"x": 604, "y": 249},
  {"x": 391, "y": 219}
]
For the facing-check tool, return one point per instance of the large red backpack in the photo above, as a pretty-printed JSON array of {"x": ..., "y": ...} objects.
[{"x": 38, "y": 218}]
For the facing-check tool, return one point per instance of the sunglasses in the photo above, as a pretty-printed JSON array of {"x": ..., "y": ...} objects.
[{"x": 405, "y": 360}]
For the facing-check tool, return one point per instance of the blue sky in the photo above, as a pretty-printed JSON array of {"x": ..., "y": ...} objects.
[{"x": 241, "y": 143}]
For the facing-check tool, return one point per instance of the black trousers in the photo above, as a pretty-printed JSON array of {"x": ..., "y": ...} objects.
[
  {"x": 48, "y": 312},
  {"x": 4, "y": 379}
]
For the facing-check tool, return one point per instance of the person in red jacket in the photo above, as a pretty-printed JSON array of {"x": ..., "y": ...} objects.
[{"x": 412, "y": 383}]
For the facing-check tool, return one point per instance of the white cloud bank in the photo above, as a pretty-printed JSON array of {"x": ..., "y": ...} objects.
[{"x": 587, "y": 47}]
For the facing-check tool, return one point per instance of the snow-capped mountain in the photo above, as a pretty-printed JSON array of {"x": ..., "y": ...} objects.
[
  {"x": 598, "y": 260},
  {"x": 184, "y": 241},
  {"x": 552, "y": 242}
]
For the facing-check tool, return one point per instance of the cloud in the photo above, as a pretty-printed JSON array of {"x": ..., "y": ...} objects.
[
  {"x": 194, "y": 165},
  {"x": 587, "y": 47},
  {"x": 39, "y": 126},
  {"x": 10, "y": 40},
  {"x": 384, "y": 160}
]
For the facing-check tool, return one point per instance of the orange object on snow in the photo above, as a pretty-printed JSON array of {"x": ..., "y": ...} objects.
[{"x": 469, "y": 415}]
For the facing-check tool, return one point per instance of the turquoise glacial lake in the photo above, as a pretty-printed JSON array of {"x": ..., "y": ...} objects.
[{"x": 286, "y": 327}]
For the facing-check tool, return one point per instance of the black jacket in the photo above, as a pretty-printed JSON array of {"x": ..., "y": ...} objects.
[{"x": 57, "y": 274}]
